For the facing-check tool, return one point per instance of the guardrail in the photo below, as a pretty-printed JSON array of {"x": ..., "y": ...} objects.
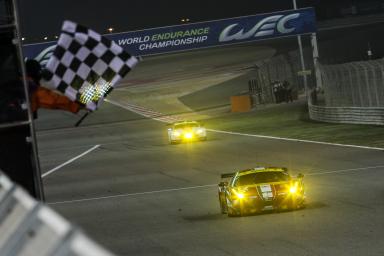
[
  {"x": 28, "y": 227},
  {"x": 349, "y": 115}
]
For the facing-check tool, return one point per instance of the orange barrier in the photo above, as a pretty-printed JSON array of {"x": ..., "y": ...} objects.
[{"x": 241, "y": 103}]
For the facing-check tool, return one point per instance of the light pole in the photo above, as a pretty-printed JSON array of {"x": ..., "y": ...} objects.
[{"x": 302, "y": 57}]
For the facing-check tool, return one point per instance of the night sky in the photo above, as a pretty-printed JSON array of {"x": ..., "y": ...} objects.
[{"x": 41, "y": 18}]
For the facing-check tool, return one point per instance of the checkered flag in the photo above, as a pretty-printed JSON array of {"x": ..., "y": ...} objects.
[{"x": 85, "y": 66}]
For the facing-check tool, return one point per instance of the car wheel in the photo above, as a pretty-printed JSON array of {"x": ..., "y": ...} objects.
[
  {"x": 233, "y": 213},
  {"x": 299, "y": 204},
  {"x": 296, "y": 206},
  {"x": 302, "y": 205},
  {"x": 223, "y": 204}
]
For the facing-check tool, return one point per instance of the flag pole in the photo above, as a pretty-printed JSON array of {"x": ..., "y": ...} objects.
[{"x": 82, "y": 118}]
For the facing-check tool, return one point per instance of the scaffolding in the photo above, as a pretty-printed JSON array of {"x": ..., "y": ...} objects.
[{"x": 18, "y": 148}]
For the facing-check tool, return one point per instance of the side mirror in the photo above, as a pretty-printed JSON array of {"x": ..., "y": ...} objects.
[
  {"x": 300, "y": 176},
  {"x": 223, "y": 184}
]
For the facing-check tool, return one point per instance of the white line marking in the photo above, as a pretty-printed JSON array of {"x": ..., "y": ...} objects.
[
  {"x": 169, "y": 119},
  {"x": 345, "y": 170},
  {"x": 203, "y": 186},
  {"x": 133, "y": 194},
  {"x": 295, "y": 140},
  {"x": 145, "y": 112},
  {"x": 70, "y": 161}
]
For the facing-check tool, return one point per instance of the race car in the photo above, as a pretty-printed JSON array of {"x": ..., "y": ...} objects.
[
  {"x": 186, "y": 131},
  {"x": 260, "y": 189}
]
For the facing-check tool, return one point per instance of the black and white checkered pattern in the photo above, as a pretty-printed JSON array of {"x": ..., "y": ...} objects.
[{"x": 85, "y": 65}]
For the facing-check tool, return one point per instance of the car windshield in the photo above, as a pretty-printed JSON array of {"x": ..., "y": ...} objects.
[
  {"x": 186, "y": 125},
  {"x": 260, "y": 177}
]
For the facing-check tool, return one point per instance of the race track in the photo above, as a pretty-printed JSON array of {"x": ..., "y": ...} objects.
[{"x": 137, "y": 195}]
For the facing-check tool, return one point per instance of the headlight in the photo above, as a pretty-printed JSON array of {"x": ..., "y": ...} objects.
[
  {"x": 293, "y": 190},
  {"x": 238, "y": 194},
  {"x": 188, "y": 135},
  {"x": 200, "y": 130}
]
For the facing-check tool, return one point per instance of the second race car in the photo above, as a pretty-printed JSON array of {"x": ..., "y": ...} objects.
[
  {"x": 258, "y": 189},
  {"x": 186, "y": 131}
]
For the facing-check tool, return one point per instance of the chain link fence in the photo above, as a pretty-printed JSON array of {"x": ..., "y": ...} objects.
[
  {"x": 283, "y": 67},
  {"x": 351, "y": 93},
  {"x": 354, "y": 84}
]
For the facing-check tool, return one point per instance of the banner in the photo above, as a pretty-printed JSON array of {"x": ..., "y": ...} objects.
[{"x": 203, "y": 34}]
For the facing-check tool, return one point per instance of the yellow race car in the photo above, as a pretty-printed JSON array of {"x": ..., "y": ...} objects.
[
  {"x": 186, "y": 131},
  {"x": 259, "y": 189}
]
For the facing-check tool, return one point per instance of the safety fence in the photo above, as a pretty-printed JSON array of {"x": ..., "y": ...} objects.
[
  {"x": 354, "y": 84},
  {"x": 28, "y": 227},
  {"x": 283, "y": 67},
  {"x": 351, "y": 93}
]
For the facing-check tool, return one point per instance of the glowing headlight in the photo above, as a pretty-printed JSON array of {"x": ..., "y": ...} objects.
[
  {"x": 188, "y": 135},
  {"x": 200, "y": 130},
  {"x": 293, "y": 190},
  {"x": 238, "y": 195}
]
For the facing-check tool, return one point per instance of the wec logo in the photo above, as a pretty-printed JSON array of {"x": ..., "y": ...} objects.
[{"x": 265, "y": 27}]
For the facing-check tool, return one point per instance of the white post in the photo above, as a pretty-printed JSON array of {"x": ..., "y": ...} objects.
[
  {"x": 302, "y": 58},
  {"x": 315, "y": 52}
]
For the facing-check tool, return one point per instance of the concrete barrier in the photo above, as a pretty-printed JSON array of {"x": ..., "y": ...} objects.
[{"x": 347, "y": 115}]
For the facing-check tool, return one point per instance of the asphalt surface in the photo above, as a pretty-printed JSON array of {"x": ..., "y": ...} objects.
[{"x": 137, "y": 195}]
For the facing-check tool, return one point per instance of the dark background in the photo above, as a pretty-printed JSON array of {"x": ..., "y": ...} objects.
[{"x": 40, "y": 18}]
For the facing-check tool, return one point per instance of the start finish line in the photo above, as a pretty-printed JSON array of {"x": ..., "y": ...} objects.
[{"x": 202, "y": 34}]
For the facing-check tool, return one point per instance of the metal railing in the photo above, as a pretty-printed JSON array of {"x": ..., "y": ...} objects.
[{"x": 28, "y": 227}]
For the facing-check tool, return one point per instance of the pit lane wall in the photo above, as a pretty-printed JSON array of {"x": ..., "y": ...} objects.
[
  {"x": 202, "y": 34},
  {"x": 28, "y": 227}
]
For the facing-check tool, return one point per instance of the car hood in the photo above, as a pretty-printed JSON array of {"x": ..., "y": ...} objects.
[{"x": 189, "y": 129}]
